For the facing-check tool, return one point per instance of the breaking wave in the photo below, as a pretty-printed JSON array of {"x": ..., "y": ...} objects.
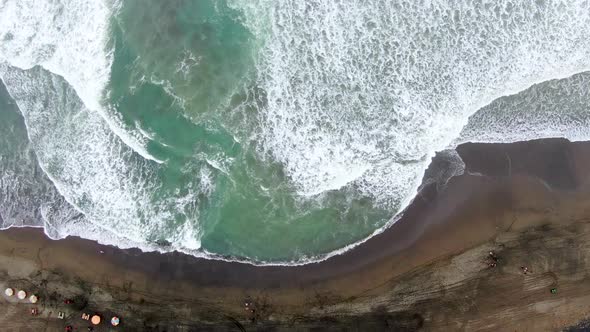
[
  {"x": 58, "y": 36},
  {"x": 364, "y": 92}
]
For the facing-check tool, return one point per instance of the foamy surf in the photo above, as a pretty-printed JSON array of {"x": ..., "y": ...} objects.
[
  {"x": 326, "y": 138},
  {"x": 59, "y": 37},
  {"x": 364, "y": 92},
  {"x": 106, "y": 183},
  {"x": 556, "y": 108}
]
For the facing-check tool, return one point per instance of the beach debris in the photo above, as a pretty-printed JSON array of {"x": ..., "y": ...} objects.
[
  {"x": 9, "y": 292},
  {"x": 33, "y": 299},
  {"x": 525, "y": 270},
  {"x": 34, "y": 311},
  {"x": 61, "y": 315},
  {"x": 69, "y": 328},
  {"x": 85, "y": 316},
  {"x": 115, "y": 321},
  {"x": 553, "y": 290},
  {"x": 95, "y": 319},
  {"x": 68, "y": 301},
  {"x": 21, "y": 295}
]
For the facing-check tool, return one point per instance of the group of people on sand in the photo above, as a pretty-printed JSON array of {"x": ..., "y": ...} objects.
[
  {"x": 525, "y": 270},
  {"x": 492, "y": 261}
]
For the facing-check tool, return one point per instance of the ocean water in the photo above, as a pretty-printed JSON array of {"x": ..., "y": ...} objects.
[{"x": 270, "y": 132}]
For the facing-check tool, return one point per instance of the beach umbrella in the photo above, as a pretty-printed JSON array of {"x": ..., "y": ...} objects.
[
  {"x": 9, "y": 292},
  {"x": 95, "y": 319},
  {"x": 33, "y": 299},
  {"x": 21, "y": 295},
  {"x": 115, "y": 321}
]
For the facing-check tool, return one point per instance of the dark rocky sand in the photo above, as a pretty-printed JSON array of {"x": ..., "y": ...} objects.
[{"x": 527, "y": 202}]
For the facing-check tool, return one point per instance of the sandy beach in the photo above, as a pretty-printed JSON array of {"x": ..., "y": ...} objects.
[{"x": 528, "y": 203}]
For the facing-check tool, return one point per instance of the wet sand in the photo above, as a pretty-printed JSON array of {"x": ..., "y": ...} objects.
[{"x": 428, "y": 271}]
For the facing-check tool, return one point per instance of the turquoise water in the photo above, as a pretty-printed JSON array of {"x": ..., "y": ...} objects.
[
  {"x": 205, "y": 57},
  {"x": 255, "y": 130},
  {"x": 179, "y": 69}
]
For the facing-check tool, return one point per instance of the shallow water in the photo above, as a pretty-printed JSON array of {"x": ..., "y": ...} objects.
[{"x": 266, "y": 131}]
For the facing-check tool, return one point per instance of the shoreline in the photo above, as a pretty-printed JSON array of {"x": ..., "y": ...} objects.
[{"x": 522, "y": 186}]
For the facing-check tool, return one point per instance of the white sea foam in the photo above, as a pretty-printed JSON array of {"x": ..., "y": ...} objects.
[
  {"x": 358, "y": 93},
  {"x": 364, "y": 92},
  {"x": 89, "y": 166},
  {"x": 27, "y": 197},
  {"x": 557, "y": 108},
  {"x": 188, "y": 238},
  {"x": 81, "y": 144},
  {"x": 110, "y": 186},
  {"x": 68, "y": 38}
]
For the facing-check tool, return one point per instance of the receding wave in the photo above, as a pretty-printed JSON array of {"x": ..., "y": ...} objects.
[
  {"x": 556, "y": 108},
  {"x": 59, "y": 37}
]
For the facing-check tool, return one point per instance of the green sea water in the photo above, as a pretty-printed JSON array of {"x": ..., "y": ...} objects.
[
  {"x": 260, "y": 130},
  {"x": 180, "y": 68}
]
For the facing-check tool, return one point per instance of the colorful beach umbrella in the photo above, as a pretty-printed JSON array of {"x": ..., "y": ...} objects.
[
  {"x": 95, "y": 319},
  {"x": 9, "y": 292},
  {"x": 33, "y": 299},
  {"x": 21, "y": 295},
  {"x": 115, "y": 321}
]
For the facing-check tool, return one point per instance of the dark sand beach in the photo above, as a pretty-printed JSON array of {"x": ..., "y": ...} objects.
[{"x": 527, "y": 202}]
